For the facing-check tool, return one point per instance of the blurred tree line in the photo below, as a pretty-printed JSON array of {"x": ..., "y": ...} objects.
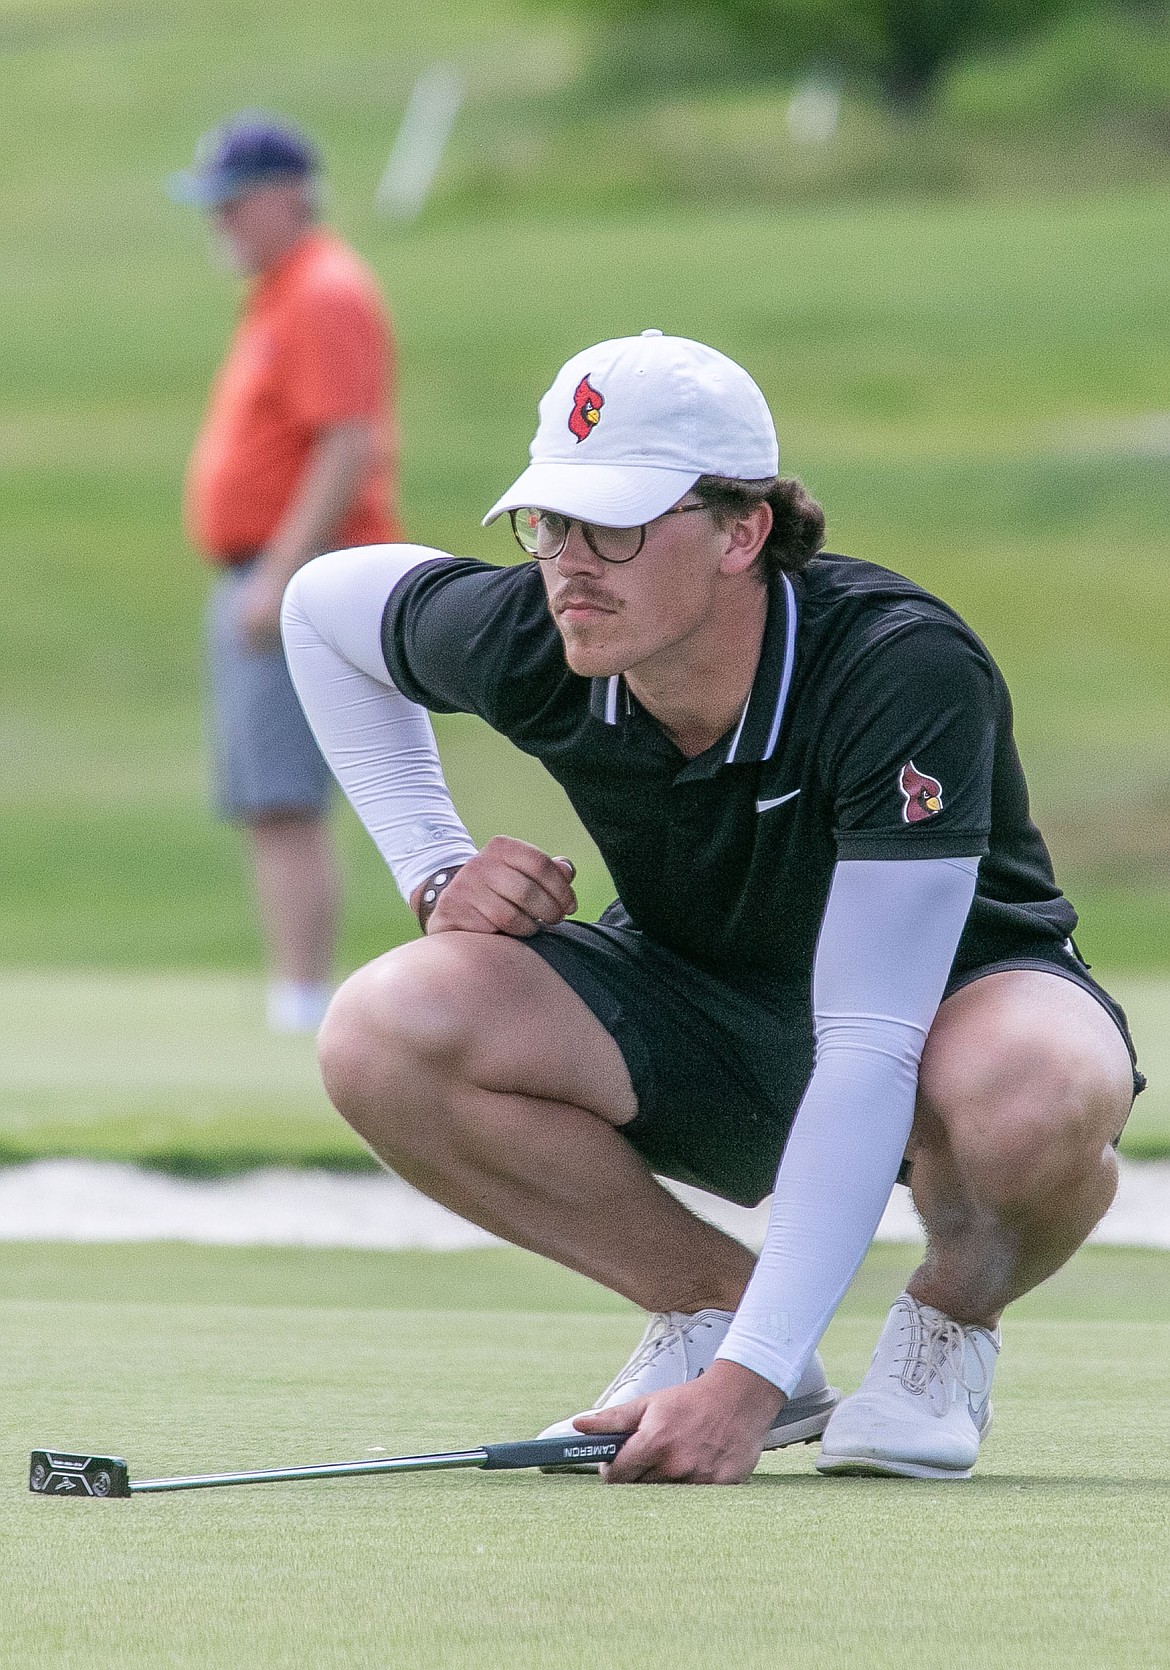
[{"x": 903, "y": 47}]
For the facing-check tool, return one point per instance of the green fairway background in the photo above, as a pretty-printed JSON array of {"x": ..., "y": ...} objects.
[
  {"x": 183, "y": 1358},
  {"x": 960, "y": 325},
  {"x": 971, "y": 378}
]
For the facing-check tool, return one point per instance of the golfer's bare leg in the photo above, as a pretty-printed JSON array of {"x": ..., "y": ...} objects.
[
  {"x": 479, "y": 1075},
  {"x": 1025, "y": 1082}
]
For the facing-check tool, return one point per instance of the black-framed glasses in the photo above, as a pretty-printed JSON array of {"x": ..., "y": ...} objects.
[{"x": 544, "y": 533}]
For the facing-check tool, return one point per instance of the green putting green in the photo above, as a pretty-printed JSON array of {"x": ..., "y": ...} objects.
[
  {"x": 972, "y": 377},
  {"x": 182, "y": 1358}
]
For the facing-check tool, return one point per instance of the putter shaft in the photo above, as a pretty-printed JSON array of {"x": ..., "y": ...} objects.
[
  {"x": 326, "y": 1470},
  {"x": 63, "y": 1473}
]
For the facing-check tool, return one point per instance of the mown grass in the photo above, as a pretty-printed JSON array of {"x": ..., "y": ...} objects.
[
  {"x": 969, "y": 370},
  {"x": 183, "y": 1358},
  {"x": 961, "y": 386},
  {"x": 967, "y": 360}
]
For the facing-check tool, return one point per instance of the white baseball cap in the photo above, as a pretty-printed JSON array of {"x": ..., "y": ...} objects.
[{"x": 629, "y": 425}]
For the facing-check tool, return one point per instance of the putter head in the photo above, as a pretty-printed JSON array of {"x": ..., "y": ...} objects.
[{"x": 56, "y": 1473}]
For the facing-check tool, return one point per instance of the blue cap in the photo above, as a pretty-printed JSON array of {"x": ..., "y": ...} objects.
[{"x": 245, "y": 153}]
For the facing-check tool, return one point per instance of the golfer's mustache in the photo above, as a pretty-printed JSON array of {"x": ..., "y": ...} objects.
[{"x": 581, "y": 597}]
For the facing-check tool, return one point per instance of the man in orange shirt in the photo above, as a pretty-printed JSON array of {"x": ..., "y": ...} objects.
[{"x": 295, "y": 456}]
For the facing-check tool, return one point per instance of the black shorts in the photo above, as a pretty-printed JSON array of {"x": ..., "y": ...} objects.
[{"x": 719, "y": 1069}]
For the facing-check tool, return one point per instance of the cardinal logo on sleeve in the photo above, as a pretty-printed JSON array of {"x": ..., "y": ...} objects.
[
  {"x": 921, "y": 795},
  {"x": 586, "y": 413}
]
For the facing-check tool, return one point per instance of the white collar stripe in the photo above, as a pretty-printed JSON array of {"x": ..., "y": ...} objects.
[
  {"x": 738, "y": 733},
  {"x": 789, "y": 663},
  {"x": 611, "y": 699}
]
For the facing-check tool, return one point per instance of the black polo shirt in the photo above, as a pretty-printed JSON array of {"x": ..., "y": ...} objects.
[{"x": 878, "y": 726}]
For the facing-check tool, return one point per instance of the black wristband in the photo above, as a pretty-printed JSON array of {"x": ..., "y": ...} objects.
[{"x": 431, "y": 889}]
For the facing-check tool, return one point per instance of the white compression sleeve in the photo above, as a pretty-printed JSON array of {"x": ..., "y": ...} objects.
[
  {"x": 886, "y": 945},
  {"x": 379, "y": 745}
]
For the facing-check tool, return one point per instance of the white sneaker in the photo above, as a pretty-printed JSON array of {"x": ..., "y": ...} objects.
[
  {"x": 293, "y": 1006},
  {"x": 678, "y": 1347},
  {"x": 925, "y": 1402}
]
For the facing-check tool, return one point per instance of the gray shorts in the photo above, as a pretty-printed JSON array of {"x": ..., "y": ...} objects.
[{"x": 264, "y": 757}]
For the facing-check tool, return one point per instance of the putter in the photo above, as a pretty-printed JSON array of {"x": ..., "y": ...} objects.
[{"x": 59, "y": 1473}]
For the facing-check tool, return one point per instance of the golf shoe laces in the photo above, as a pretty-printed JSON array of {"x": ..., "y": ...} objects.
[
  {"x": 664, "y": 1329},
  {"x": 934, "y": 1354}
]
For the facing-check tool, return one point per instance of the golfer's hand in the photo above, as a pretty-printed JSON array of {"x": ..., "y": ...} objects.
[
  {"x": 710, "y": 1431},
  {"x": 508, "y": 888},
  {"x": 258, "y": 610}
]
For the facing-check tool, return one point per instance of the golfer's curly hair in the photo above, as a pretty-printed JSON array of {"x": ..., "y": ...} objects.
[{"x": 798, "y": 522}]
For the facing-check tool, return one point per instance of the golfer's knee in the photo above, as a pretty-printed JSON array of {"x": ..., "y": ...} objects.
[
  {"x": 395, "y": 1022},
  {"x": 1040, "y": 1157},
  {"x": 1022, "y": 1121}
]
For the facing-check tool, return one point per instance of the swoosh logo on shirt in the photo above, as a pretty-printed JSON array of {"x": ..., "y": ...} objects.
[{"x": 767, "y": 805}]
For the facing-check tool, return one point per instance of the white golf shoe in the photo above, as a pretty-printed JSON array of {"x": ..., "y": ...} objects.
[
  {"x": 678, "y": 1347},
  {"x": 925, "y": 1402}
]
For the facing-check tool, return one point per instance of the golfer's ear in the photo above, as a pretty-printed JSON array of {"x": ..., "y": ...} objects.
[{"x": 745, "y": 536}]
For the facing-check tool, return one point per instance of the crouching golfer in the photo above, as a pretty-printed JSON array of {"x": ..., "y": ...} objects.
[{"x": 838, "y": 947}]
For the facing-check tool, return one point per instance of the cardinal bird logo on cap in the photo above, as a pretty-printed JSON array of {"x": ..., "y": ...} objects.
[
  {"x": 586, "y": 413},
  {"x": 921, "y": 795}
]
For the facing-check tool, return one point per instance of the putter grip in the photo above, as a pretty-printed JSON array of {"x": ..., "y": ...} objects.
[{"x": 582, "y": 1448}]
